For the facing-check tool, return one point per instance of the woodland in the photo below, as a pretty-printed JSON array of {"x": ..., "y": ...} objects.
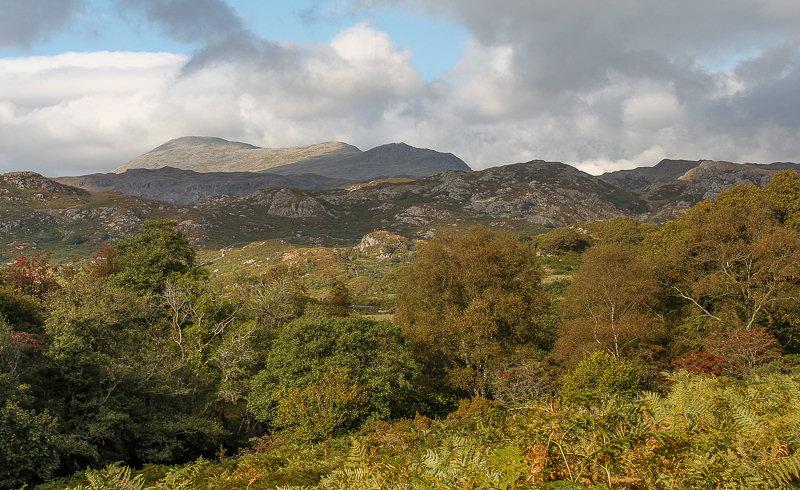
[{"x": 607, "y": 354}]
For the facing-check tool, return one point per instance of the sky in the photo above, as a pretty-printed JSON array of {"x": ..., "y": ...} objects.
[{"x": 86, "y": 85}]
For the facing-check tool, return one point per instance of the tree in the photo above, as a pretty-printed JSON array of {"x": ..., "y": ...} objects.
[
  {"x": 114, "y": 384},
  {"x": 366, "y": 355},
  {"x": 737, "y": 353},
  {"x": 469, "y": 304},
  {"x": 621, "y": 230},
  {"x": 28, "y": 447},
  {"x": 338, "y": 303},
  {"x": 333, "y": 403},
  {"x": 562, "y": 240},
  {"x": 609, "y": 305},
  {"x": 31, "y": 273},
  {"x": 735, "y": 261},
  {"x": 147, "y": 260},
  {"x": 22, "y": 311}
]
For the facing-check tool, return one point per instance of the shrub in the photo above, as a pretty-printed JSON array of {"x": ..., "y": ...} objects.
[{"x": 600, "y": 376}]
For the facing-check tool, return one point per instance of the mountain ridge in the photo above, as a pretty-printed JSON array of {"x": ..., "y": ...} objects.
[{"x": 331, "y": 159}]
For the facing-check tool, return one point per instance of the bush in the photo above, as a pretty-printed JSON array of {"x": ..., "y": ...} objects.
[
  {"x": 600, "y": 376},
  {"x": 323, "y": 408}
]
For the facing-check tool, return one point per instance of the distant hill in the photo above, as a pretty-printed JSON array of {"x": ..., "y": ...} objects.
[
  {"x": 671, "y": 186},
  {"x": 206, "y": 154},
  {"x": 382, "y": 162},
  {"x": 527, "y": 197},
  {"x": 638, "y": 179},
  {"x": 332, "y": 159},
  {"x": 186, "y": 186}
]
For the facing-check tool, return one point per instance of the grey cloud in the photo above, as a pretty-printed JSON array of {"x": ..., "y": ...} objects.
[
  {"x": 25, "y": 22},
  {"x": 579, "y": 65},
  {"x": 189, "y": 21},
  {"x": 213, "y": 24}
]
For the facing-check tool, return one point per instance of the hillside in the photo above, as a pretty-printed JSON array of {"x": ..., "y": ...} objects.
[
  {"x": 186, "y": 186},
  {"x": 672, "y": 186},
  {"x": 528, "y": 197}
]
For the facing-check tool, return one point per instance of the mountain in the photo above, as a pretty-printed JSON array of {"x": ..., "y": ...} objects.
[
  {"x": 386, "y": 161},
  {"x": 186, "y": 186},
  {"x": 672, "y": 186},
  {"x": 206, "y": 154},
  {"x": 639, "y": 178},
  {"x": 332, "y": 159},
  {"x": 527, "y": 197}
]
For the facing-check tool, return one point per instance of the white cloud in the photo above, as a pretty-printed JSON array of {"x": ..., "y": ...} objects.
[
  {"x": 84, "y": 112},
  {"x": 604, "y": 86}
]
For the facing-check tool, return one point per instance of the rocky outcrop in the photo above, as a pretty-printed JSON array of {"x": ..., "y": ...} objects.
[
  {"x": 287, "y": 203},
  {"x": 710, "y": 178},
  {"x": 34, "y": 181},
  {"x": 383, "y": 245}
]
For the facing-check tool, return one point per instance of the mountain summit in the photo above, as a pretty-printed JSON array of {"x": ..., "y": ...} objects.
[
  {"x": 332, "y": 159},
  {"x": 207, "y": 154}
]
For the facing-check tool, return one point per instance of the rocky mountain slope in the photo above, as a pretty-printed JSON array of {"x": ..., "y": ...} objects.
[
  {"x": 190, "y": 169},
  {"x": 186, "y": 186},
  {"x": 638, "y": 179},
  {"x": 526, "y": 197},
  {"x": 672, "y": 186}
]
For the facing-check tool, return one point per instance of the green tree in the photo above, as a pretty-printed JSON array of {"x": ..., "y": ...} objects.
[
  {"x": 333, "y": 403},
  {"x": 28, "y": 446},
  {"x": 24, "y": 312},
  {"x": 114, "y": 384},
  {"x": 469, "y": 303},
  {"x": 562, "y": 240},
  {"x": 146, "y": 261},
  {"x": 313, "y": 351}
]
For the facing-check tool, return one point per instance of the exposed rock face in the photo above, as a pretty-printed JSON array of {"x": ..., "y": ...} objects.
[
  {"x": 708, "y": 179},
  {"x": 673, "y": 186},
  {"x": 638, "y": 179},
  {"x": 383, "y": 244},
  {"x": 289, "y": 203},
  {"x": 421, "y": 215}
]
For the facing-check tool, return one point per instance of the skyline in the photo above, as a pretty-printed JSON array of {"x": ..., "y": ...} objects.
[{"x": 86, "y": 85}]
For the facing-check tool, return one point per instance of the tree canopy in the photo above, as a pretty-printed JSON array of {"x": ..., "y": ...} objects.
[{"x": 469, "y": 303}]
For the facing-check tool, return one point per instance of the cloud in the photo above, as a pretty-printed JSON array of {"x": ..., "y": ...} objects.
[
  {"x": 611, "y": 84},
  {"x": 24, "y": 22},
  {"x": 602, "y": 85},
  {"x": 84, "y": 112}
]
